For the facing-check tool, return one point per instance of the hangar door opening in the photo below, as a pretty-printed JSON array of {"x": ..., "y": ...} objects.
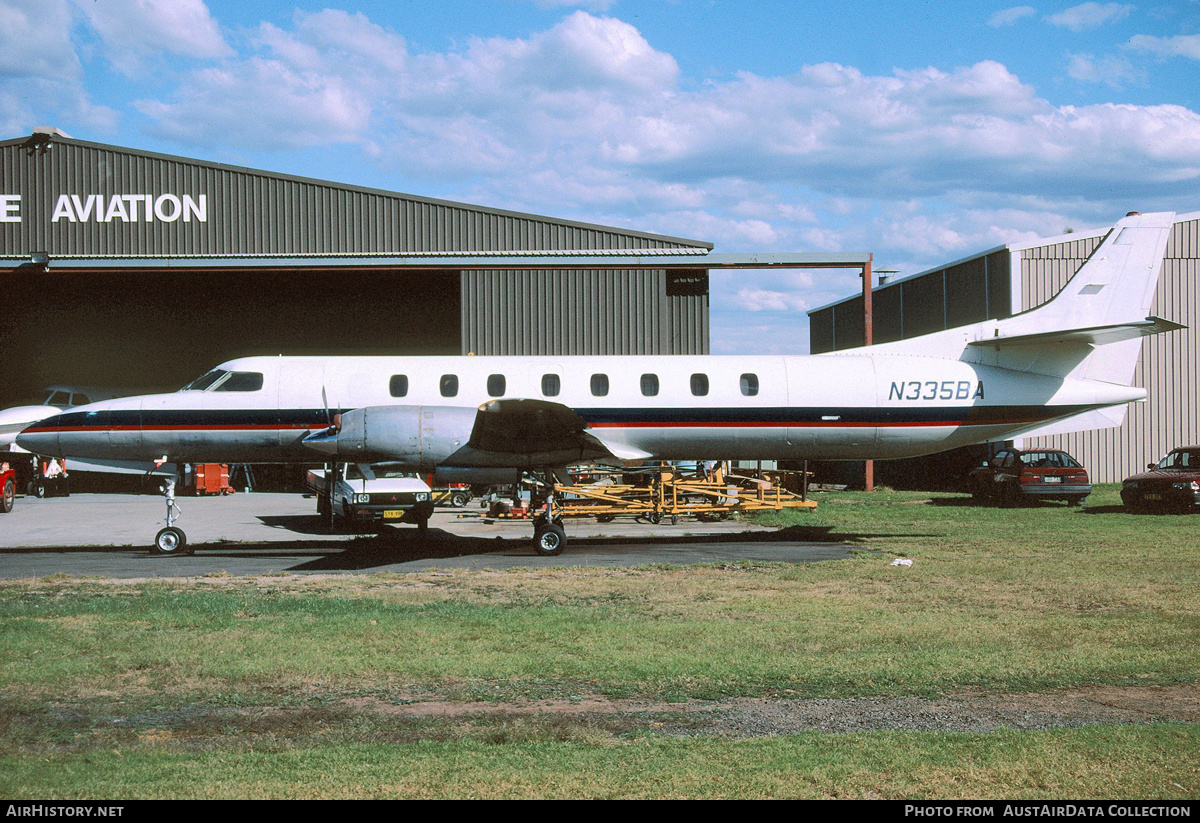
[{"x": 159, "y": 329}]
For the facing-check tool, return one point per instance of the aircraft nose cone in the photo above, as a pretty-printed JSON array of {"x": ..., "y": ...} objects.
[{"x": 41, "y": 437}]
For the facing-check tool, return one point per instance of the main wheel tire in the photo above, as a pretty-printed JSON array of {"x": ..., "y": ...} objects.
[
  {"x": 549, "y": 540},
  {"x": 459, "y": 500},
  {"x": 8, "y": 497},
  {"x": 171, "y": 541}
]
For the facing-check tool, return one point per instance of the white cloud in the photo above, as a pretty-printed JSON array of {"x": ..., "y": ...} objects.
[
  {"x": 1090, "y": 15},
  {"x": 587, "y": 120},
  {"x": 766, "y": 300},
  {"x": 35, "y": 40},
  {"x": 588, "y": 113},
  {"x": 133, "y": 30},
  {"x": 1009, "y": 17},
  {"x": 1183, "y": 45},
  {"x": 1115, "y": 72},
  {"x": 41, "y": 74}
]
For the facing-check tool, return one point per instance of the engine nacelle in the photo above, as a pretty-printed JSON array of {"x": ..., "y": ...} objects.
[{"x": 421, "y": 436}]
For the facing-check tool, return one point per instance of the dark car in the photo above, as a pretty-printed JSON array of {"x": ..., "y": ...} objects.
[
  {"x": 1172, "y": 484},
  {"x": 1043, "y": 474}
]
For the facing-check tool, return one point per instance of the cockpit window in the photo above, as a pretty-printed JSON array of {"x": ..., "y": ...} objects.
[
  {"x": 203, "y": 382},
  {"x": 222, "y": 380},
  {"x": 58, "y": 398},
  {"x": 241, "y": 381}
]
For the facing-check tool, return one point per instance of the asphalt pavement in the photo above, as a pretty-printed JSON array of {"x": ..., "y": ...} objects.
[{"x": 108, "y": 535}]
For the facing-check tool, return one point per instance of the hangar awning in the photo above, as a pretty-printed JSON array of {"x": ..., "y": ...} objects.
[{"x": 467, "y": 261}]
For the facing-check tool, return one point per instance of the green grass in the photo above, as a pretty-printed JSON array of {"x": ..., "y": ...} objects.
[
  {"x": 997, "y": 600},
  {"x": 1076, "y": 763}
]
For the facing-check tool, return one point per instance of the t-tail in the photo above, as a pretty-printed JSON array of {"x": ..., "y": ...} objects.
[{"x": 1089, "y": 331}]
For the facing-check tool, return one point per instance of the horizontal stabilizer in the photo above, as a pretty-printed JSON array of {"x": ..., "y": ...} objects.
[
  {"x": 1096, "y": 419},
  {"x": 1097, "y": 335}
]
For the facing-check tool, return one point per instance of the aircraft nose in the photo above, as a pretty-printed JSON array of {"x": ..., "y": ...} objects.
[{"x": 42, "y": 437}]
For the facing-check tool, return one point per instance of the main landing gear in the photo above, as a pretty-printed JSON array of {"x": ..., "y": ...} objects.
[
  {"x": 549, "y": 536},
  {"x": 171, "y": 540}
]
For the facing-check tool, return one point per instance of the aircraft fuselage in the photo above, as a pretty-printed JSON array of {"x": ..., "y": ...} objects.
[{"x": 840, "y": 407}]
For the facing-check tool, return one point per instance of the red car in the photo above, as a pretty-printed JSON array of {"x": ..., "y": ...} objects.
[
  {"x": 1172, "y": 484},
  {"x": 1044, "y": 474},
  {"x": 8, "y": 488}
]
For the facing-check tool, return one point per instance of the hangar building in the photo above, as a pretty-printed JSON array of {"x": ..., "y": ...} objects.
[
  {"x": 1008, "y": 279},
  {"x": 138, "y": 270}
]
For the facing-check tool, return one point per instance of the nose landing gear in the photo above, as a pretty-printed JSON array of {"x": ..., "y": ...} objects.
[{"x": 171, "y": 540}]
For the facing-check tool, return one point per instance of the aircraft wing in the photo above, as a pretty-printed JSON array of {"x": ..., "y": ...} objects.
[{"x": 525, "y": 433}]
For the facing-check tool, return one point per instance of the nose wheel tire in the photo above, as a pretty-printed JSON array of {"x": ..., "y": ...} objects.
[
  {"x": 170, "y": 541},
  {"x": 549, "y": 540}
]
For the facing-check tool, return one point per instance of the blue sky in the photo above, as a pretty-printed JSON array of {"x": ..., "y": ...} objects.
[{"x": 919, "y": 131}]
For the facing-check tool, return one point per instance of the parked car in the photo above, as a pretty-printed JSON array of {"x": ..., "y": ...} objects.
[
  {"x": 1012, "y": 476},
  {"x": 8, "y": 488},
  {"x": 1172, "y": 483},
  {"x": 385, "y": 493}
]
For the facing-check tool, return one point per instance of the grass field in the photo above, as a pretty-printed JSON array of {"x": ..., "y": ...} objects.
[{"x": 290, "y": 686}]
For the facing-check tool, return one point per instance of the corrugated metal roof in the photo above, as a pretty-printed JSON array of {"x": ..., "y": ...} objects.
[{"x": 89, "y": 200}]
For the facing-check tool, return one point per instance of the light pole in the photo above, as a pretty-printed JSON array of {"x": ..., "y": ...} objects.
[{"x": 868, "y": 466}]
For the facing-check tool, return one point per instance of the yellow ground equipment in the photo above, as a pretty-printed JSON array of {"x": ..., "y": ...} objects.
[{"x": 668, "y": 492}]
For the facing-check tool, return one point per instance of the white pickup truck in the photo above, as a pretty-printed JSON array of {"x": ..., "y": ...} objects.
[{"x": 379, "y": 493}]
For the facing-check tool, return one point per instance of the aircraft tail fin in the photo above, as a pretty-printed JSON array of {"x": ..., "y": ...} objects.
[{"x": 1091, "y": 329}]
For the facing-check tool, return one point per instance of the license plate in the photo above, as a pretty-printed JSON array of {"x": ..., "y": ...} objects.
[
  {"x": 1153, "y": 496},
  {"x": 1052, "y": 479},
  {"x": 393, "y": 514}
]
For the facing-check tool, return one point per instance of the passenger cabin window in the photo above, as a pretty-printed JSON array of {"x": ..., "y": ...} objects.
[
  {"x": 495, "y": 385},
  {"x": 649, "y": 385},
  {"x": 599, "y": 385},
  {"x": 699, "y": 385},
  {"x": 749, "y": 384},
  {"x": 449, "y": 385},
  {"x": 398, "y": 385},
  {"x": 241, "y": 381},
  {"x": 551, "y": 385}
]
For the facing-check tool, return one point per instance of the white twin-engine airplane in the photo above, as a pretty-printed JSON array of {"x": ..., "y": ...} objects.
[{"x": 1068, "y": 363}]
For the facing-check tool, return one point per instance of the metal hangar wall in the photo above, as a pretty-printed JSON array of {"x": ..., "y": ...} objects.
[
  {"x": 142, "y": 270},
  {"x": 1002, "y": 281}
]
